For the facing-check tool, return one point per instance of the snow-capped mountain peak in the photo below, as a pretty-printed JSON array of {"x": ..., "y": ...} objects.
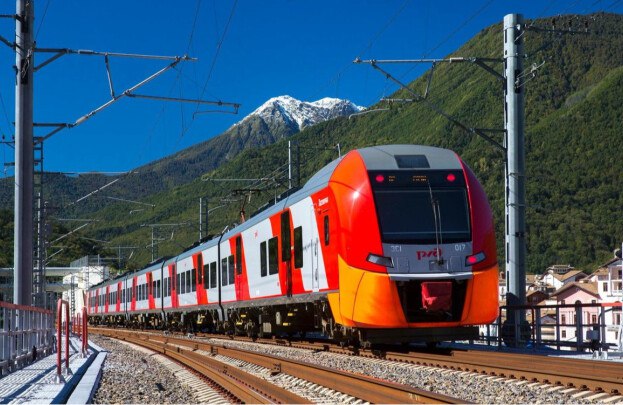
[{"x": 301, "y": 114}]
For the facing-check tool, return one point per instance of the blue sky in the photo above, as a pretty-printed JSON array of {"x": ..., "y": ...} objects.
[{"x": 269, "y": 48}]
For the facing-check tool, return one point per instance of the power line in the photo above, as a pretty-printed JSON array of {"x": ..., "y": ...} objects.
[
  {"x": 176, "y": 82},
  {"x": 385, "y": 27},
  {"x": 216, "y": 54},
  {"x": 482, "y": 8},
  {"x": 45, "y": 12},
  {"x": 336, "y": 78},
  {"x": 6, "y": 115}
]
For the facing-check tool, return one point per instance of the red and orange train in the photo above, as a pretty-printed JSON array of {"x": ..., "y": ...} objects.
[{"x": 387, "y": 244}]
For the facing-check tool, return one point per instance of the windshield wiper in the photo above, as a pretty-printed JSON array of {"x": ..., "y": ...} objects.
[{"x": 434, "y": 202}]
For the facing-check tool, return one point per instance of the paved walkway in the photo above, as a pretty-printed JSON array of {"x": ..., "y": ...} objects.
[{"x": 37, "y": 382}]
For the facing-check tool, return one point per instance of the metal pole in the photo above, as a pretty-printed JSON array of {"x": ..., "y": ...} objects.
[
  {"x": 23, "y": 232},
  {"x": 289, "y": 165},
  {"x": 515, "y": 167},
  {"x": 200, "y": 218},
  {"x": 152, "y": 243}
]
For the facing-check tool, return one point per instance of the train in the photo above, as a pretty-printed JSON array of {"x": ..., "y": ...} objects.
[{"x": 386, "y": 244}]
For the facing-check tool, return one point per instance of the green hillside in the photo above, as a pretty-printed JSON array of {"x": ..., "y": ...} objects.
[{"x": 573, "y": 144}]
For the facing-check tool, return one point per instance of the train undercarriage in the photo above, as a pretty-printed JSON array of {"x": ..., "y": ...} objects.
[{"x": 298, "y": 320}]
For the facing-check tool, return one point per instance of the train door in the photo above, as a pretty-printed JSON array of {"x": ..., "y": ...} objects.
[
  {"x": 313, "y": 251},
  {"x": 286, "y": 250},
  {"x": 238, "y": 267}
]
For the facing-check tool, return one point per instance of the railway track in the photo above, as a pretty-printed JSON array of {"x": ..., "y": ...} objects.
[
  {"x": 593, "y": 375},
  {"x": 597, "y": 376},
  {"x": 237, "y": 385},
  {"x": 251, "y": 389}
]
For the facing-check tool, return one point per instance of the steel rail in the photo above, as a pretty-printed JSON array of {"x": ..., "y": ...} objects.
[
  {"x": 246, "y": 388},
  {"x": 369, "y": 389},
  {"x": 594, "y": 375}
]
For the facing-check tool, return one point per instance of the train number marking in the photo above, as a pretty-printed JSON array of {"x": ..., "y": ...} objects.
[
  {"x": 460, "y": 247},
  {"x": 395, "y": 248}
]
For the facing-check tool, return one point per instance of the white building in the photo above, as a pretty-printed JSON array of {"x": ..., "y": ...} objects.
[
  {"x": 559, "y": 275},
  {"x": 609, "y": 279},
  {"x": 89, "y": 272}
]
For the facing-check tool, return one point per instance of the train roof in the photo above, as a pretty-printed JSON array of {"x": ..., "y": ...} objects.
[{"x": 396, "y": 157}]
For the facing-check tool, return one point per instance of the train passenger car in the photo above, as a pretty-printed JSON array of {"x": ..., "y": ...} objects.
[{"x": 386, "y": 244}]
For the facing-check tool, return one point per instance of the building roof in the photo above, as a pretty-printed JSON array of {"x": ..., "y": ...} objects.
[
  {"x": 590, "y": 288},
  {"x": 612, "y": 261},
  {"x": 536, "y": 292},
  {"x": 602, "y": 271},
  {"x": 569, "y": 274},
  {"x": 560, "y": 268}
]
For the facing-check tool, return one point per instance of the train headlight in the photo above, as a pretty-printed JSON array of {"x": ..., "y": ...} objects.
[
  {"x": 380, "y": 260},
  {"x": 474, "y": 259}
]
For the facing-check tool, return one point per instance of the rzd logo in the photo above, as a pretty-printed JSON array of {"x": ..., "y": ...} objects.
[{"x": 422, "y": 254}]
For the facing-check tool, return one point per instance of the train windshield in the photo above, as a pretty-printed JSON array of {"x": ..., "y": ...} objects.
[{"x": 423, "y": 216}]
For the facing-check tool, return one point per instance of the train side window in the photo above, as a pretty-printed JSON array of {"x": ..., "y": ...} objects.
[
  {"x": 183, "y": 283},
  {"x": 158, "y": 290},
  {"x": 213, "y": 275},
  {"x": 298, "y": 247},
  {"x": 178, "y": 283},
  {"x": 205, "y": 269},
  {"x": 193, "y": 280},
  {"x": 154, "y": 290},
  {"x": 273, "y": 259},
  {"x": 239, "y": 255},
  {"x": 224, "y": 271},
  {"x": 231, "y": 269},
  {"x": 263, "y": 260},
  {"x": 286, "y": 253},
  {"x": 326, "y": 230}
]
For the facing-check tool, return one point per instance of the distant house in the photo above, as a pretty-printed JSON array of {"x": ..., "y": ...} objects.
[
  {"x": 577, "y": 292},
  {"x": 609, "y": 281},
  {"x": 536, "y": 297},
  {"x": 556, "y": 278}
]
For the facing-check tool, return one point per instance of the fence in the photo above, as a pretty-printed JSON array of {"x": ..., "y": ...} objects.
[
  {"x": 24, "y": 332},
  {"x": 579, "y": 327}
]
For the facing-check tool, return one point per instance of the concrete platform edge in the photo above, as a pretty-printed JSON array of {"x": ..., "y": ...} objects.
[{"x": 82, "y": 386}]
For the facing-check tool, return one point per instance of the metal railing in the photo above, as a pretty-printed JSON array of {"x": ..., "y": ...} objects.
[
  {"x": 59, "y": 337},
  {"x": 578, "y": 327},
  {"x": 24, "y": 332}
]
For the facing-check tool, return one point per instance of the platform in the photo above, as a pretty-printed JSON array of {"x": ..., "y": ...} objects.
[{"x": 37, "y": 382}]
